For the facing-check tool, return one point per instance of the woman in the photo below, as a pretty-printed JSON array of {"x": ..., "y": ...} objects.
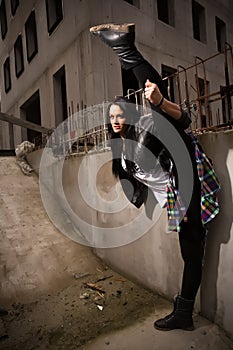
[{"x": 131, "y": 163}]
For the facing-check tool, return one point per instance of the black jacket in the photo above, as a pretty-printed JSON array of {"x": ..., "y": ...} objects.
[{"x": 146, "y": 145}]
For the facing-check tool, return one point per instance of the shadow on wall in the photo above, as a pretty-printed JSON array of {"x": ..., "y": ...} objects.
[{"x": 217, "y": 146}]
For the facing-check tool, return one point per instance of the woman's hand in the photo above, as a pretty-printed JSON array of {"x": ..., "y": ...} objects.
[{"x": 152, "y": 93}]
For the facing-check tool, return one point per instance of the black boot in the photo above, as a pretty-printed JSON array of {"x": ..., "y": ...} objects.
[
  {"x": 120, "y": 37},
  {"x": 180, "y": 318}
]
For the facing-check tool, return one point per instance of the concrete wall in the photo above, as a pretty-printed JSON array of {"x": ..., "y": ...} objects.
[
  {"x": 154, "y": 259},
  {"x": 216, "y": 298}
]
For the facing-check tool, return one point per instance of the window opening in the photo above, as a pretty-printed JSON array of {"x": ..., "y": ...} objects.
[
  {"x": 7, "y": 75},
  {"x": 31, "y": 36},
  {"x": 60, "y": 97},
  {"x": 18, "y": 50},
  {"x": 165, "y": 10},
  {"x": 54, "y": 14},
  {"x": 199, "y": 24},
  {"x": 3, "y": 19}
]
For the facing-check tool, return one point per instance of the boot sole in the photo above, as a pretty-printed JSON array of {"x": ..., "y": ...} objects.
[
  {"x": 123, "y": 28},
  {"x": 191, "y": 328}
]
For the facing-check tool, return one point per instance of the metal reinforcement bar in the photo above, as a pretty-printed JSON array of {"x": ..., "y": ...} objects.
[{"x": 24, "y": 123}]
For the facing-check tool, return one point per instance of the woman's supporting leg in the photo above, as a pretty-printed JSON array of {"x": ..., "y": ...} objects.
[
  {"x": 192, "y": 239},
  {"x": 192, "y": 245},
  {"x": 192, "y": 251}
]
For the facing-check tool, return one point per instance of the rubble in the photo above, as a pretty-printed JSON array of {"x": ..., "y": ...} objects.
[
  {"x": 84, "y": 296},
  {"x": 76, "y": 314}
]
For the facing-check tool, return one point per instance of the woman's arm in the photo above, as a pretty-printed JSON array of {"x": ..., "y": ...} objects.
[{"x": 153, "y": 94}]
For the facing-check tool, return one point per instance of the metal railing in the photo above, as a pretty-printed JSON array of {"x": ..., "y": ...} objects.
[{"x": 200, "y": 104}]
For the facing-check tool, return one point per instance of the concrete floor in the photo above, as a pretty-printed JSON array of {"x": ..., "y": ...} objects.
[{"x": 143, "y": 336}]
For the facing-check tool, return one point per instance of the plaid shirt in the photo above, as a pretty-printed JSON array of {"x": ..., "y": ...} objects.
[{"x": 209, "y": 188}]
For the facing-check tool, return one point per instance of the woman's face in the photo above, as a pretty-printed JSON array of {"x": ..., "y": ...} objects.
[{"x": 117, "y": 119}]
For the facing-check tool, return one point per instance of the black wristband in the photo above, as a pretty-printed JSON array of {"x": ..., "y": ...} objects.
[{"x": 160, "y": 102}]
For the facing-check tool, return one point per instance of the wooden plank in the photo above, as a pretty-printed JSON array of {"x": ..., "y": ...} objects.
[{"x": 24, "y": 123}]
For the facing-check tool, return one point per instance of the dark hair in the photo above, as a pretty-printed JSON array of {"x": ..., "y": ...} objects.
[
  {"x": 129, "y": 108},
  {"x": 132, "y": 116}
]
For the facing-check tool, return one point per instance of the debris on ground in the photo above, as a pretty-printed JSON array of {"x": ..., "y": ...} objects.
[
  {"x": 80, "y": 275},
  {"x": 94, "y": 287},
  {"x": 94, "y": 304}
]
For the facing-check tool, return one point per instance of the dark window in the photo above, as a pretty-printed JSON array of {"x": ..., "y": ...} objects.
[
  {"x": 18, "y": 49},
  {"x": 170, "y": 81},
  {"x": 7, "y": 74},
  {"x": 60, "y": 100},
  {"x": 165, "y": 10},
  {"x": 14, "y": 6},
  {"x": 54, "y": 14},
  {"x": 3, "y": 19},
  {"x": 134, "y": 2},
  {"x": 220, "y": 33},
  {"x": 31, "y": 36},
  {"x": 31, "y": 112},
  {"x": 199, "y": 25}
]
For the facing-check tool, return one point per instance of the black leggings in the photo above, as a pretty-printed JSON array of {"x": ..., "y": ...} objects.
[
  {"x": 192, "y": 239},
  {"x": 192, "y": 235}
]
